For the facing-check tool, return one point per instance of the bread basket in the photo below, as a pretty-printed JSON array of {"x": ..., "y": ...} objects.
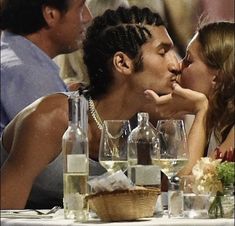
[{"x": 124, "y": 205}]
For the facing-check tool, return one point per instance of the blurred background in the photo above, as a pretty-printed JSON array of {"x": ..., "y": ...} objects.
[{"x": 181, "y": 16}]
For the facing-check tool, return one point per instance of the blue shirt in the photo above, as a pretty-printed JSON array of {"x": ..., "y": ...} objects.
[{"x": 27, "y": 73}]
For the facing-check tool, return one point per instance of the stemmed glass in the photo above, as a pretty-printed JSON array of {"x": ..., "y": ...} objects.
[
  {"x": 173, "y": 154},
  {"x": 113, "y": 145}
]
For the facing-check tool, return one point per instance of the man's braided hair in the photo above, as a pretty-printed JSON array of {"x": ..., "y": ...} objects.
[{"x": 123, "y": 30}]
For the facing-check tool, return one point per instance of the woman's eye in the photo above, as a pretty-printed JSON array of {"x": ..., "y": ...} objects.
[{"x": 187, "y": 61}]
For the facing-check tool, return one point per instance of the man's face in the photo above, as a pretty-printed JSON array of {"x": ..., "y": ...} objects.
[
  {"x": 71, "y": 27},
  {"x": 159, "y": 63},
  {"x": 196, "y": 75}
]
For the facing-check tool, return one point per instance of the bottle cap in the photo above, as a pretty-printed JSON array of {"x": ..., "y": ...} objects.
[{"x": 174, "y": 183}]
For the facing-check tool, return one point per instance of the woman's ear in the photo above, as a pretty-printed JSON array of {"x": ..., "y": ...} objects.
[
  {"x": 122, "y": 63},
  {"x": 51, "y": 15},
  {"x": 214, "y": 78}
]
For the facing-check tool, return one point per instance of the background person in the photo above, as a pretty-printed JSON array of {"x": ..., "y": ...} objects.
[
  {"x": 33, "y": 32},
  {"x": 72, "y": 67}
]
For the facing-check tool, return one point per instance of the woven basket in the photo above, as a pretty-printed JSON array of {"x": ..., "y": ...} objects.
[{"x": 124, "y": 205}]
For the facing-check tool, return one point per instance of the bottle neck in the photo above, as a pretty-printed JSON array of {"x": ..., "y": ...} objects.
[
  {"x": 74, "y": 111},
  {"x": 143, "y": 119}
]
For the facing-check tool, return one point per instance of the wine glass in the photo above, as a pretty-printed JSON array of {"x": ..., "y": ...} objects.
[
  {"x": 113, "y": 145},
  {"x": 173, "y": 154}
]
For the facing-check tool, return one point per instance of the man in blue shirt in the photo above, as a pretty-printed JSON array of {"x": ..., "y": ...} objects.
[{"x": 34, "y": 33}]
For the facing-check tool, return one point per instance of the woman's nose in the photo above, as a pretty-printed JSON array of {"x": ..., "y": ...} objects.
[{"x": 182, "y": 65}]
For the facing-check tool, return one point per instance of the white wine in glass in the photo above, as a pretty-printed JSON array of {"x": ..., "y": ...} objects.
[
  {"x": 113, "y": 145},
  {"x": 173, "y": 154}
]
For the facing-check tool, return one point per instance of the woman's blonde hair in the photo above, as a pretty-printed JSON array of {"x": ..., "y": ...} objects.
[{"x": 217, "y": 46}]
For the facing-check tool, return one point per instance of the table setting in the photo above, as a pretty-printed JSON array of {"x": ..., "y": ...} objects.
[
  {"x": 57, "y": 219},
  {"x": 116, "y": 198}
]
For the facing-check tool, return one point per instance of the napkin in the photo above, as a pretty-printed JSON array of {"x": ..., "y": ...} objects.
[{"x": 26, "y": 214}]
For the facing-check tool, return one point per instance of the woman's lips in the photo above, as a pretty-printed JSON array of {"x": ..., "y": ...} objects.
[{"x": 178, "y": 78}]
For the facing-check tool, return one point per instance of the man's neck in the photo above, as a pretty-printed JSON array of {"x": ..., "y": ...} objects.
[
  {"x": 120, "y": 105},
  {"x": 41, "y": 40}
]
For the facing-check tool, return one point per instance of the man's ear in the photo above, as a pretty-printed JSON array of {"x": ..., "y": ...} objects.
[
  {"x": 51, "y": 15},
  {"x": 122, "y": 63}
]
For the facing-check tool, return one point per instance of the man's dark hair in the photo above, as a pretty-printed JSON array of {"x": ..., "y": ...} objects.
[
  {"x": 25, "y": 16},
  {"x": 123, "y": 30}
]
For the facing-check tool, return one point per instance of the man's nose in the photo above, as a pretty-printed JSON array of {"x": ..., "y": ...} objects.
[
  {"x": 87, "y": 16},
  {"x": 174, "y": 64}
]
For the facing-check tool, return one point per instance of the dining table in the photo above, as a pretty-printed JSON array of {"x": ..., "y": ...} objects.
[{"x": 31, "y": 218}]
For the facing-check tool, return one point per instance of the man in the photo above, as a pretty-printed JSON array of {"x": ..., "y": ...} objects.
[
  {"x": 126, "y": 52},
  {"x": 33, "y": 33}
]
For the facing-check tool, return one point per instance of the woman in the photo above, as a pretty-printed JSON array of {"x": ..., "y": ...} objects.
[
  {"x": 126, "y": 52},
  {"x": 207, "y": 68}
]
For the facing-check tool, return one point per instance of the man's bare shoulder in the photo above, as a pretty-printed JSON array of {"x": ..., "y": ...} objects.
[
  {"x": 38, "y": 129},
  {"x": 46, "y": 111},
  {"x": 46, "y": 118}
]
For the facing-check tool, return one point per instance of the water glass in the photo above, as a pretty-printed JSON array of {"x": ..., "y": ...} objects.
[{"x": 194, "y": 205}]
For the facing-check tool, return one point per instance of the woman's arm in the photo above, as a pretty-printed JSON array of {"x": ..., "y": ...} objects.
[
  {"x": 185, "y": 101},
  {"x": 226, "y": 148}
]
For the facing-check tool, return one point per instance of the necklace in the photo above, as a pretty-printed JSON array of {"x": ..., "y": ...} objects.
[{"x": 95, "y": 114}]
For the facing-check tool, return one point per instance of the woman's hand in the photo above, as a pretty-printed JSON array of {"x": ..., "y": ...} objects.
[{"x": 180, "y": 102}]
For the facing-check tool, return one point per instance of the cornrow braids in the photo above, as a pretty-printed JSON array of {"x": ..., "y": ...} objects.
[{"x": 124, "y": 29}]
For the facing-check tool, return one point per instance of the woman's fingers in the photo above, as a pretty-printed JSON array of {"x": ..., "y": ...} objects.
[
  {"x": 150, "y": 94},
  {"x": 177, "y": 89}
]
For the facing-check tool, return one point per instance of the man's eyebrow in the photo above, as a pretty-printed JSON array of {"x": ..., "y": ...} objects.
[{"x": 164, "y": 45}]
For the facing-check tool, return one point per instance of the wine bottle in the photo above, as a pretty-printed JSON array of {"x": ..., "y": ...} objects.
[
  {"x": 142, "y": 144},
  {"x": 76, "y": 165}
]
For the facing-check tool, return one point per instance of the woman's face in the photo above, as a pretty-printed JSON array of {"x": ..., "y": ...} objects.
[{"x": 196, "y": 75}]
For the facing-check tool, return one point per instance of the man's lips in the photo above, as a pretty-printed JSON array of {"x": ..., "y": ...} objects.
[{"x": 176, "y": 78}]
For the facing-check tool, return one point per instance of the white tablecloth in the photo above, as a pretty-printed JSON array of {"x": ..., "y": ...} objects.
[{"x": 58, "y": 220}]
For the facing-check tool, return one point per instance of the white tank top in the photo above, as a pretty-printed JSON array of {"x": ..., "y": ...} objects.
[{"x": 47, "y": 189}]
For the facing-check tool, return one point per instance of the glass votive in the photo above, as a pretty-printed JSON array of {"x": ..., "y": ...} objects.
[{"x": 194, "y": 205}]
